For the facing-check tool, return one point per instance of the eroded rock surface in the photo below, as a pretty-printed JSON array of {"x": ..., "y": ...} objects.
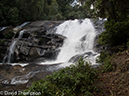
[
  {"x": 38, "y": 41},
  {"x": 19, "y": 77}
]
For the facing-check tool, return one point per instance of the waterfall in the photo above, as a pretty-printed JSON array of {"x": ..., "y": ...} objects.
[
  {"x": 10, "y": 51},
  {"x": 80, "y": 36},
  {"x": 75, "y": 32}
]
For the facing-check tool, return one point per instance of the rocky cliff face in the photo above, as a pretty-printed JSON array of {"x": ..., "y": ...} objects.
[{"x": 39, "y": 42}]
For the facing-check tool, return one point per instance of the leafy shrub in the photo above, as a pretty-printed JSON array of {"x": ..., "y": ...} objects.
[
  {"x": 102, "y": 57},
  {"x": 8, "y": 33},
  {"x": 116, "y": 33},
  {"x": 76, "y": 80},
  {"x": 2, "y": 41},
  {"x": 104, "y": 60}
]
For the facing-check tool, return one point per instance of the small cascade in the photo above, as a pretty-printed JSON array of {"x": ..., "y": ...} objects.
[
  {"x": 2, "y": 28},
  {"x": 10, "y": 52},
  {"x": 21, "y": 34},
  {"x": 22, "y": 25}
]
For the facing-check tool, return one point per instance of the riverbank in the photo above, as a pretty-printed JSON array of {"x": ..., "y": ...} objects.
[
  {"x": 116, "y": 81},
  {"x": 109, "y": 79},
  {"x": 19, "y": 78}
]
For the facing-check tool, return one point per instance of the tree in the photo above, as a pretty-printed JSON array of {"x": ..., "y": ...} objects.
[
  {"x": 13, "y": 12},
  {"x": 12, "y": 15},
  {"x": 116, "y": 10},
  {"x": 54, "y": 12},
  {"x": 8, "y": 12},
  {"x": 30, "y": 9},
  {"x": 86, "y": 7},
  {"x": 117, "y": 25},
  {"x": 63, "y": 3},
  {"x": 53, "y": 8}
]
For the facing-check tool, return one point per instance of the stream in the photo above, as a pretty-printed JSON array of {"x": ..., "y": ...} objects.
[{"x": 80, "y": 42}]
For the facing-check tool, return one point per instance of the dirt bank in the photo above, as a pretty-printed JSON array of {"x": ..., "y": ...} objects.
[{"x": 116, "y": 82}]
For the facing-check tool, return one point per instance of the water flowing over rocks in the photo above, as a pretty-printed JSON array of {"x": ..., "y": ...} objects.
[
  {"x": 36, "y": 49},
  {"x": 30, "y": 44},
  {"x": 21, "y": 77},
  {"x": 37, "y": 41}
]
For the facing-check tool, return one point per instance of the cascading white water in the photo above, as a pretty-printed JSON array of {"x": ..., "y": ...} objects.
[
  {"x": 73, "y": 45},
  {"x": 21, "y": 34},
  {"x": 1, "y": 29},
  {"x": 80, "y": 39},
  {"x": 10, "y": 51},
  {"x": 80, "y": 36},
  {"x": 22, "y": 25}
]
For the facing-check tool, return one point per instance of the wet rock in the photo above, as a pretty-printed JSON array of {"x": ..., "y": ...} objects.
[
  {"x": 21, "y": 77},
  {"x": 37, "y": 77},
  {"x": 38, "y": 41},
  {"x": 74, "y": 58},
  {"x": 77, "y": 57}
]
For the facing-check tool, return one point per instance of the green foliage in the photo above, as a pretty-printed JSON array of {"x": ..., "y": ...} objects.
[
  {"x": 30, "y": 10},
  {"x": 102, "y": 57},
  {"x": 117, "y": 25},
  {"x": 116, "y": 10},
  {"x": 86, "y": 7},
  {"x": 76, "y": 80},
  {"x": 3, "y": 40},
  {"x": 8, "y": 12},
  {"x": 18, "y": 11},
  {"x": 9, "y": 34},
  {"x": 13, "y": 15},
  {"x": 107, "y": 67},
  {"x": 104, "y": 60},
  {"x": 116, "y": 33},
  {"x": 54, "y": 12},
  {"x": 53, "y": 8}
]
